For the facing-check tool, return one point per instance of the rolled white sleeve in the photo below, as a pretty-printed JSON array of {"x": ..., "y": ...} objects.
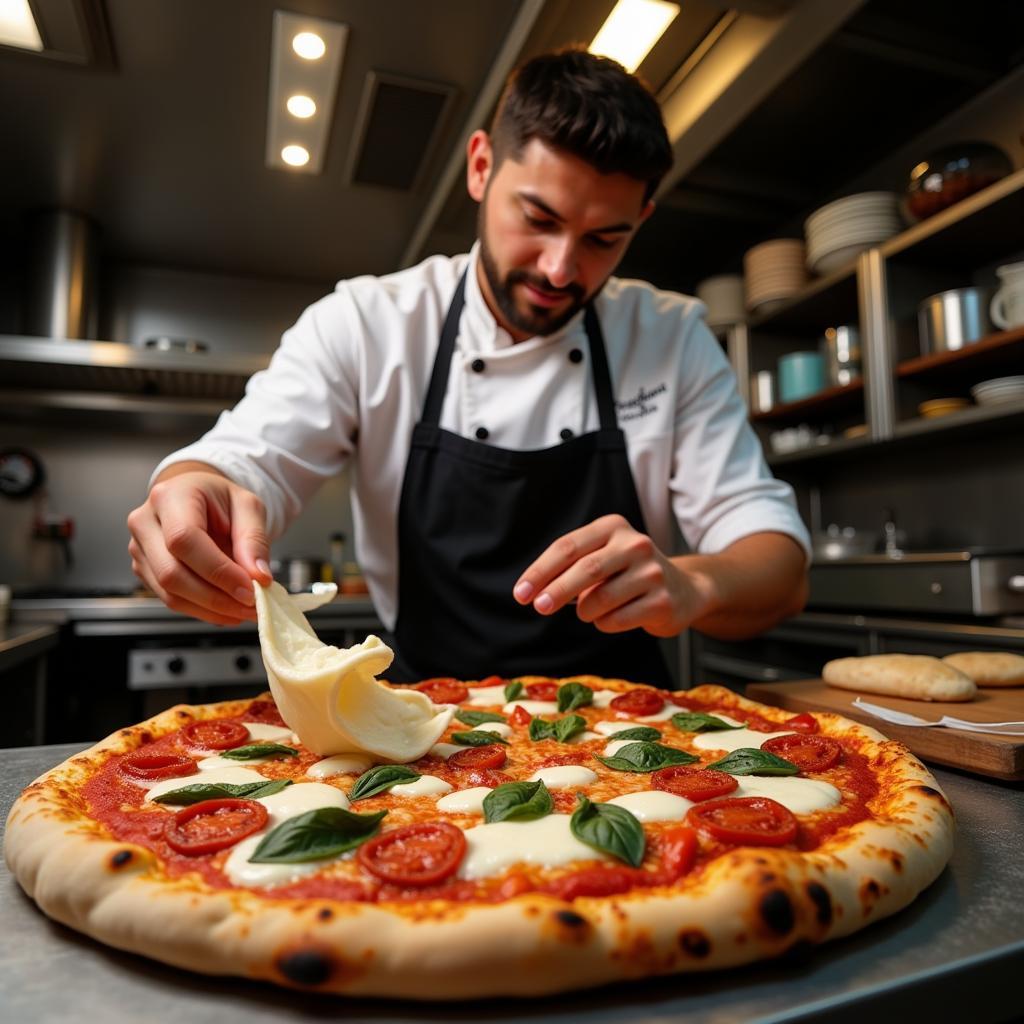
[
  {"x": 722, "y": 489},
  {"x": 296, "y": 425}
]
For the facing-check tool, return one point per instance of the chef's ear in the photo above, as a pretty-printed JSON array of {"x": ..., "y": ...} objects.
[
  {"x": 479, "y": 163},
  {"x": 646, "y": 212}
]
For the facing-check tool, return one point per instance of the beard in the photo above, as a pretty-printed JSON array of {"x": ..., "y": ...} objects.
[{"x": 526, "y": 317}]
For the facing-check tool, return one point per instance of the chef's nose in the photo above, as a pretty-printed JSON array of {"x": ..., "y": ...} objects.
[{"x": 558, "y": 262}]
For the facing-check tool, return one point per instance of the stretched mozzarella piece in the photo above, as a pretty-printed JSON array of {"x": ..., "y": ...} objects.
[
  {"x": 234, "y": 774},
  {"x": 464, "y": 801},
  {"x": 340, "y": 764},
  {"x": 733, "y": 739},
  {"x": 330, "y": 695},
  {"x": 801, "y": 796},
  {"x": 654, "y": 805},
  {"x": 564, "y": 776},
  {"x": 500, "y": 728},
  {"x": 425, "y": 785},
  {"x": 259, "y": 732}
]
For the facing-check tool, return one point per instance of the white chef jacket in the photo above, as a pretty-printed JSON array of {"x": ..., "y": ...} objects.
[{"x": 347, "y": 385}]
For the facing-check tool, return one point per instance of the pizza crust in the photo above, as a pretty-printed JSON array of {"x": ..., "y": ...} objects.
[{"x": 746, "y": 905}]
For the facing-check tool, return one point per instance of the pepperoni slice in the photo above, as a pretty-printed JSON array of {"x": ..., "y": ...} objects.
[
  {"x": 214, "y": 735},
  {"x": 264, "y": 711},
  {"x": 677, "y": 848},
  {"x": 416, "y": 855},
  {"x": 520, "y": 716},
  {"x": 157, "y": 766},
  {"x": 745, "y": 821},
  {"x": 491, "y": 756},
  {"x": 444, "y": 691},
  {"x": 214, "y": 825},
  {"x": 808, "y": 753},
  {"x": 542, "y": 691},
  {"x": 694, "y": 783},
  {"x": 805, "y": 723},
  {"x": 638, "y": 702}
]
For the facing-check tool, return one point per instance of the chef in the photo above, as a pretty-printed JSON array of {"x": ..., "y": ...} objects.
[{"x": 524, "y": 430}]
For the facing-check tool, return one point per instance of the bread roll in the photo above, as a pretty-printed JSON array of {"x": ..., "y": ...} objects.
[
  {"x": 915, "y": 676},
  {"x": 989, "y": 668}
]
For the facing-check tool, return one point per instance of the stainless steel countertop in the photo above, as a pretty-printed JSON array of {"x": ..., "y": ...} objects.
[
  {"x": 21, "y": 641},
  {"x": 955, "y": 954}
]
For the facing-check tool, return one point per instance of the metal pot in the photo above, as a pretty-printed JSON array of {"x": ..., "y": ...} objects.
[
  {"x": 842, "y": 542},
  {"x": 297, "y": 573},
  {"x": 953, "y": 319}
]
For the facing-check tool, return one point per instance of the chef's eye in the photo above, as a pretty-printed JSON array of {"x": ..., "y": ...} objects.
[
  {"x": 540, "y": 223},
  {"x": 601, "y": 243}
]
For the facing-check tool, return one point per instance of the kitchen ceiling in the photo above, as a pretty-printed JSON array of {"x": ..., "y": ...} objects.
[{"x": 162, "y": 140}]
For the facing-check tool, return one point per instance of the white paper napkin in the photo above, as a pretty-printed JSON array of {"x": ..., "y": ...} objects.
[{"x": 903, "y": 718}]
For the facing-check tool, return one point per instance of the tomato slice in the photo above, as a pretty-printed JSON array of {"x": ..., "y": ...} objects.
[
  {"x": 214, "y": 825},
  {"x": 542, "y": 691},
  {"x": 638, "y": 702},
  {"x": 694, "y": 783},
  {"x": 157, "y": 766},
  {"x": 808, "y": 753},
  {"x": 677, "y": 848},
  {"x": 745, "y": 821},
  {"x": 444, "y": 691},
  {"x": 491, "y": 681},
  {"x": 520, "y": 716},
  {"x": 805, "y": 723},
  {"x": 215, "y": 735},
  {"x": 597, "y": 881},
  {"x": 420, "y": 854},
  {"x": 491, "y": 756}
]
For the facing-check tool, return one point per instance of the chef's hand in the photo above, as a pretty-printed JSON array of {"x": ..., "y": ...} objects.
[
  {"x": 198, "y": 542},
  {"x": 618, "y": 579}
]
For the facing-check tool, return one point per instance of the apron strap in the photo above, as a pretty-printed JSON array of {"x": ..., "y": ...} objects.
[{"x": 599, "y": 363}]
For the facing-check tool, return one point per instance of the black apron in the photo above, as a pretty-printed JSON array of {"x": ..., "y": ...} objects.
[{"x": 473, "y": 516}]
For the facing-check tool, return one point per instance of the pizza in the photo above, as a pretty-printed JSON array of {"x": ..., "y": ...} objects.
[{"x": 549, "y": 834}]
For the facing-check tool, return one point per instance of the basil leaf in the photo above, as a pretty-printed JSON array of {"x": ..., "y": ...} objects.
[
  {"x": 512, "y": 690},
  {"x": 540, "y": 729},
  {"x": 609, "y": 828},
  {"x": 315, "y": 835},
  {"x": 475, "y": 718},
  {"x": 199, "y": 791},
  {"x": 253, "y": 750},
  {"x": 751, "y": 761},
  {"x": 381, "y": 778},
  {"x": 639, "y": 732},
  {"x": 566, "y": 728},
  {"x": 574, "y": 695},
  {"x": 646, "y": 757},
  {"x": 697, "y": 721},
  {"x": 478, "y": 738},
  {"x": 518, "y": 801}
]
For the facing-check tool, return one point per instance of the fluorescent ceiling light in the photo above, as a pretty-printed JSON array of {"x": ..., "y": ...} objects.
[
  {"x": 632, "y": 29},
  {"x": 305, "y": 67},
  {"x": 18, "y": 27}
]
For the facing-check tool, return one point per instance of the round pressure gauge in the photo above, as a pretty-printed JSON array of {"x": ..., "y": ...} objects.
[{"x": 21, "y": 473}]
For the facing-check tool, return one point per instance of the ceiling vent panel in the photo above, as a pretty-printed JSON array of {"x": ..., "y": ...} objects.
[{"x": 400, "y": 121}]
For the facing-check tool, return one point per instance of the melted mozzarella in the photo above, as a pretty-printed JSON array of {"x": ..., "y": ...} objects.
[
  {"x": 602, "y": 698},
  {"x": 663, "y": 715},
  {"x": 801, "y": 796},
  {"x": 425, "y": 785},
  {"x": 486, "y": 696},
  {"x": 217, "y": 762},
  {"x": 445, "y": 750},
  {"x": 532, "y": 707},
  {"x": 564, "y": 776},
  {"x": 611, "y": 728},
  {"x": 654, "y": 805},
  {"x": 584, "y": 737},
  {"x": 262, "y": 733},
  {"x": 330, "y": 696},
  {"x": 615, "y": 746},
  {"x": 340, "y": 764},
  {"x": 500, "y": 728},
  {"x": 548, "y": 842},
  {"x": 733, "y": 739},
  {"x": 464, "y": 801},
  {"x": 234, "y": 774}
]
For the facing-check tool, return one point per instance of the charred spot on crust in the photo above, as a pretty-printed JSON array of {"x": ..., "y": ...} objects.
[
  {"x": 120, "y": 858},
  {"x": 767, "y": 878},
  {"x": 896, "y": 860},
  {"x": 571, "y": 919},
  {"x": 822, "y": 901},
  {"x": 325, "y": 913},
  {"x": 930, "y": 791},
  {"x": 183, "y": 714},
  {"x": 777, "y": 911},
  {"x": 145, "y": 736},
  {"x": 307, "y": 967},
  {"x": 695, "y": 942},
  {"x": 871, "y": 889}
]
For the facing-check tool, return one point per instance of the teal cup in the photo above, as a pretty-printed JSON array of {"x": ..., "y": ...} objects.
[{"x": 801, "y": 374}]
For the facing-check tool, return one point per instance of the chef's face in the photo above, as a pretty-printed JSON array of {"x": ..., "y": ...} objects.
[{"x": 552, "y": 229}]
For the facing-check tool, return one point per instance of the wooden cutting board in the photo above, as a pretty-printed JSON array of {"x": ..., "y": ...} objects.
[{"x": 1002, "y": 757}]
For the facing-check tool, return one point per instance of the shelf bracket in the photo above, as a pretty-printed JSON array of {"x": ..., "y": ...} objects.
[{"x": 879, "y": 389}]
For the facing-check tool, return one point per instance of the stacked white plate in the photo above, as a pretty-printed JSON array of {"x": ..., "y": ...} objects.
[
  {"x": 774, "y": 271},
  {"x": 838, "y": 232},
  {"x": 723, "y": 296},
  {"x": 998, "y": 390}
]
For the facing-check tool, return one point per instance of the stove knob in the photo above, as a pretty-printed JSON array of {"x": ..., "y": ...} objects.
[
  {"x": 243, "y": 663},
  {"x": 176, "y": 665}
]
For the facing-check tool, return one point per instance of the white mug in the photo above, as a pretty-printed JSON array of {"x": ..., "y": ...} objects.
[{"x": 1007, "y": 307}]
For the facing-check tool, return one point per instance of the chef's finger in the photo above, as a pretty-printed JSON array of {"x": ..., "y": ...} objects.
[
  {"x": 170, "y": 576},
  {"x": 601, "y": 600},
  {"x": 184, "y": 529},
  {"x": 249, "y": 534},
  {"x": 592, "y": 571},
  {"x": 178, "y": 604},
  {"x": 560, "y": 555},
  {"x": 640, "y": 613}
]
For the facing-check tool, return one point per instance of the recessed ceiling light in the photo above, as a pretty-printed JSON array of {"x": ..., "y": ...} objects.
[
  {"x": 297, "y": 156},
  {"x": 301, "y": 106},
  {"x": 18, "y": 26},
  {"x": 309, "y": 46},
  {"x": 632, "y": 29}
]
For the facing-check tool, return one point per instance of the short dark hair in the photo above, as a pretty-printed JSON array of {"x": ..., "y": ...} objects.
[{"x": 589, "y": 106}]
